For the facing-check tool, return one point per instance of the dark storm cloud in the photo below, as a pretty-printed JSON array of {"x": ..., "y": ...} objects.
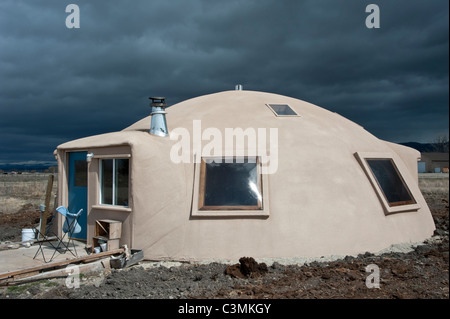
[{"x": 58, "y": 84}]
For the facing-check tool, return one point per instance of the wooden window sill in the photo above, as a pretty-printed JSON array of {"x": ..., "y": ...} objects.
[{"x": 113, "y": 207}]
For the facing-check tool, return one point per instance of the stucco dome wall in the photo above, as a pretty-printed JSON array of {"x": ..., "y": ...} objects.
[
  {"x": 321, "y": 201},
  {"x": 160, "y": 200}
]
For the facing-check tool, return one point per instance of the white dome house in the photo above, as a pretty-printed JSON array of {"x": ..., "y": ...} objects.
[{"x": 245, "y": 173}]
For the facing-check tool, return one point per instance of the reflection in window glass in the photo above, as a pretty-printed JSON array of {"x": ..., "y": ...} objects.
[
  {"x": 121, "y": 186},
  {"x": 107, "y": 181},
  {"x": 282, "y": 109},
  {"x": 234, "y": 185},
  {"x": 114, "y": 182},
  {"x": 390, "y": 182}
]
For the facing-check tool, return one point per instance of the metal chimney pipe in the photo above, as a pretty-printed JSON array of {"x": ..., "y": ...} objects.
[
  {"x": 238, "y": 87},
  {"x": 158, "y": 125}
]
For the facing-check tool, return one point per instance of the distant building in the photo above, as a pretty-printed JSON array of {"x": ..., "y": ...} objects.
[{"x": 434, "y": 162}]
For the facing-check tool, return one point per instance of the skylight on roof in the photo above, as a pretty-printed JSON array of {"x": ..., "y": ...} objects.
[{"x": 282, "y": 110}]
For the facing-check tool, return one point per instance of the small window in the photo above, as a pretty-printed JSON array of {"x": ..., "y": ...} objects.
[
  {"x": 390, "y": 181},
  {"x": 282, "y": 110},
  {"x": 230, "y": 184},
  {"x": 80, "y": 179},
  {"x": 114, "y": 181}
]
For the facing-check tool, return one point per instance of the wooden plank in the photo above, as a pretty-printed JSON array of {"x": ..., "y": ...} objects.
[
  {"x": 46, "y": 214},
  {"x": 113, "y": 156},
  {"x": 201, "y": 195},
  {"x": 115, "y": 230},
  {"x": 61, "y": 263},
  {"x": 93, "y": 266},
  {"x": 21, "y": 276}
]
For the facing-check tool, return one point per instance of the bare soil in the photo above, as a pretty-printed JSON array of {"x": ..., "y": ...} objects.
[
  {"x": 421, "y": 273},
  {"x": 11, "y": 224}
]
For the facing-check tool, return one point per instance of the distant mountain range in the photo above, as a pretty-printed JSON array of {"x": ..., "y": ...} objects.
[{"x": 27, "y": 167}]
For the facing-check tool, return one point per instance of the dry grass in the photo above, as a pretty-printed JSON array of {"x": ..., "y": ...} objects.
[
  {"x": 434, "y": 183},
  {"x": 16, "y": 191}
]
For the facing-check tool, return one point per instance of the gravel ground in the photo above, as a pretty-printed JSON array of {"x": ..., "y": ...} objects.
[{"x": 405, "y": 271}]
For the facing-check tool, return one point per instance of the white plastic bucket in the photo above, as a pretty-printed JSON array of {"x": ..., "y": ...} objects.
[{"x": 28, "y": 234}]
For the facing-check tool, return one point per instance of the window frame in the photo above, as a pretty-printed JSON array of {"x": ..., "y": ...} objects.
[
  {"x": 403, "y": 174},
  {"x": 114, "y": 187},
  {"x": 269, "y": 105},
  {"x": 201, "y": 210},
  {"x": 398, "y": 203},
  {"x": 202, "y": 205}
]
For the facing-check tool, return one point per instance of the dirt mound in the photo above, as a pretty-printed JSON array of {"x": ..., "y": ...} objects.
[{"x": 247, "y": 268}]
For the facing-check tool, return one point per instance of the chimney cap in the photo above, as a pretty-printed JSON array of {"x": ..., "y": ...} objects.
[{"x": 158, "y": 101}]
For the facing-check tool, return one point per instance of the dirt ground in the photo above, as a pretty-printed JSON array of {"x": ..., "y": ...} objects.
[
  {"x": 421, "y": 273},
  {"x": 11, "y": 224}
]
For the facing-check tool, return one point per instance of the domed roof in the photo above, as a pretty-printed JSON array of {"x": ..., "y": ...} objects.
[
  {"x": 311, "y": 129},
  {"x": 252, "y": 109}
]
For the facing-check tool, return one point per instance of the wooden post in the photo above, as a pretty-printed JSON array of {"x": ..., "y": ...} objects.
[{"x": 46, "y": 214}]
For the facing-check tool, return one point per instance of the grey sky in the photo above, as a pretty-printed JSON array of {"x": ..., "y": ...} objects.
[{"x": 58, "y": 84}]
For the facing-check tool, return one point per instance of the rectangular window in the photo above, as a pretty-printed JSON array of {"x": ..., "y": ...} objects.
[
  {"x": 282, "y": 110},
  {"x": 230, "y": 184},
  {"x": 114, "y": 181},
  {"x": 390, "y": 181},
  {"x": 80, "y": 173}
]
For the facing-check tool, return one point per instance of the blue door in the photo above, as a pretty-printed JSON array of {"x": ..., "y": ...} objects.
[{"x": 78, "y": 189}]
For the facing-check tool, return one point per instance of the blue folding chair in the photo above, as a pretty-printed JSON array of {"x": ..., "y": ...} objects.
[
  {"x": 70, "y": 227},
  {"x": 46, "y": 236}
]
